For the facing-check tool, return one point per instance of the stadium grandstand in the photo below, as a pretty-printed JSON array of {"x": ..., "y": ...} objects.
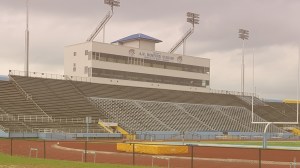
[
  {"x": 128, "y": 87},
  {"x": 56, "y": 103}
]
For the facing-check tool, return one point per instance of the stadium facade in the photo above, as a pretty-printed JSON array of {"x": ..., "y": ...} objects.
[{"x": 133, "y": 61}]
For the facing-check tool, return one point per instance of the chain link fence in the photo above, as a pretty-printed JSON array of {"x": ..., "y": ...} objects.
[{"x": 195, "y": 156}]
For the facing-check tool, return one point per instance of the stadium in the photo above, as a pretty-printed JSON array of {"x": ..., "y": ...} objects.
[{"x": 127, "y": 103}]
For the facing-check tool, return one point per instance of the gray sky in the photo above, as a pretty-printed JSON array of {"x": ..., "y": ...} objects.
[{"x": 274, "y": 34}]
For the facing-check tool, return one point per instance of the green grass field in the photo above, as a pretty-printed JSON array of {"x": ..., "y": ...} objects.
[{"x": 7, "y": 161}]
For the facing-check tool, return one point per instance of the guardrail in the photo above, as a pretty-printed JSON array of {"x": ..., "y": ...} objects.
[
  {"x": 50, "y": 76},
  {"x": 227, "y": 92},
  {"x": 40, "y": 118}
]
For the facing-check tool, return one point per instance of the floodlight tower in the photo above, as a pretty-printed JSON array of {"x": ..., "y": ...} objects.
[
  {"x": 192, "y": 18},
  {"x": 112, "y": 4},
  {"x": 26, "y": 65},
  {"x": 244, "y": 35}
]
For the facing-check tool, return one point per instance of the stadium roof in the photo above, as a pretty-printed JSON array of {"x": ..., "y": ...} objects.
[{"x": 138, "y": 36}]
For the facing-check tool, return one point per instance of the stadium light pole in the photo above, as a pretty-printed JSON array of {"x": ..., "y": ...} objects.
[
  {"x": 253, "y": 87},
  {"x": 244, "y": 35},
  {"x": 26, "y": 65},
  {"x": 192, "y": 18},
  {"x": 112, "y": 4}
]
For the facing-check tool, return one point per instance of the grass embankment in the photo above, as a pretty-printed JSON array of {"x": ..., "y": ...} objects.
[{"x": 7, "y": 161}]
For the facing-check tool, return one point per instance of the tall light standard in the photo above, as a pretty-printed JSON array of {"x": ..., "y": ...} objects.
[
  {"x": 192, "y": 18},
  {"x": 244, "y": 35},
  {"x": 112, "y": 4},
  {"x": 26, "y": 66}
]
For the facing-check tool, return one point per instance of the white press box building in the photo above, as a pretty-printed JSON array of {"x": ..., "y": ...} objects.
[{"x": 133, "y": 61}]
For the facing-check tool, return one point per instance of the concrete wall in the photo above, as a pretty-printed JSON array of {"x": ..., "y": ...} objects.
[{"x": 81, "y": 59}]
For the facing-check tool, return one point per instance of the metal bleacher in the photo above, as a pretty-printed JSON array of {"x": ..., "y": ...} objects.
[
  {"x": 42, "y": 104},
  {"x": 55, "y": 99},
  {"x": 148, "y": 116}
]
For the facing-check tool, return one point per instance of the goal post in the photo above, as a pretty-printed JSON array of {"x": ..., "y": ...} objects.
[{"x": 277, "y": 123}]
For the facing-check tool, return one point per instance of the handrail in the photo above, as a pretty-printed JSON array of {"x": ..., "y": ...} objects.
[
  {"x": 227, "y": 92},
  {"x": 41, "y": 118},
  {"x": 27, "y": 96},
  {"x": 49, "y": 76}
]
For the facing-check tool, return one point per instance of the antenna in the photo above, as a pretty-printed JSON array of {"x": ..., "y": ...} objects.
[
  {"x": 112, "y": 3},
  {"x": 192, "y": 18},
  {"x": 26, "y": 66}
]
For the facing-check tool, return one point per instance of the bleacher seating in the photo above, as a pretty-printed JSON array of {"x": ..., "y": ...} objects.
[
  {"x": 256, "y": 101},
  {"x": 133, "y": 108},
  {"x": 57, "y": 98},
  {"x": 136, "y": 115}
]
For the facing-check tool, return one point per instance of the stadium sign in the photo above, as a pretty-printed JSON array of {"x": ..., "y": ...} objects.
[{"x": 157, "y": 56}]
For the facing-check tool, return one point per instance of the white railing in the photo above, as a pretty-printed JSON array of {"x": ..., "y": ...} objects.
[
  {"x": 50, "y": 76},
  {"x": 40, "y": 118},
  {"x": 227, "y": 92}
]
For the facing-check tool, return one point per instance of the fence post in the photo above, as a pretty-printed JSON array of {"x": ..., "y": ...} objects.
[
  {"x": 85, "y": 150},
  {"x": 133, "y": 155},
  {"x": 259, "y": 155},
  {"x": 192, "y": 157},
  {"x": 44, "y": 149},
  {"x": 11, "y": 146}
]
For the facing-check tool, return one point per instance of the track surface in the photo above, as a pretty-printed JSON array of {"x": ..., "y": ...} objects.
[{"x": 105, "y": 152}]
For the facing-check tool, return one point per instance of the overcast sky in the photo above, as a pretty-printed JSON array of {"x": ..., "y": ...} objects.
[{"x": 273, "y": 24}]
